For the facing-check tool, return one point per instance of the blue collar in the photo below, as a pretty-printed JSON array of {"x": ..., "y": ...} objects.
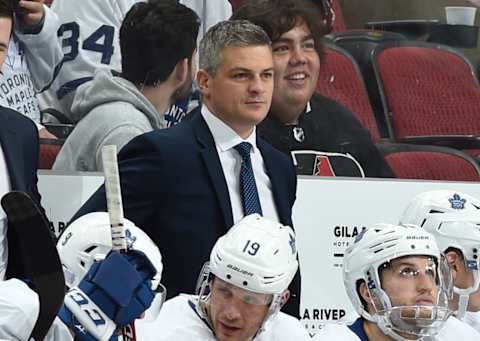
[{"x": 357, "y": 328}]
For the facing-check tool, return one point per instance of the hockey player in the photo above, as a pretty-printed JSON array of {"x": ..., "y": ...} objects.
[
  {"x": 454, "y": 219},
  {"x": 399, "y": 285},
  {"x": 240, "y": 291},
  {"x": 108, "y": 290}
]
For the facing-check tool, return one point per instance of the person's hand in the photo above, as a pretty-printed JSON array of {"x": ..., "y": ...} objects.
[
  {"x": 32, "y": 11},
  {"x": 45, "y": 134},
  {"x": 113, "y": 293},
  {"x": 475, "y": 2}
]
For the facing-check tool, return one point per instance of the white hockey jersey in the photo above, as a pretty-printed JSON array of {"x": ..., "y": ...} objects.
[
  {"x": 453, "y": 330},
  {"x": 178, "y": 320},
  {"x": 89, "y": 34},
  {"x": 472, "y": 319}
]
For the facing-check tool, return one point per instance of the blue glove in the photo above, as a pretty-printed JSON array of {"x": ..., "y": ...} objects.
[{"x": 114, "y": 292}]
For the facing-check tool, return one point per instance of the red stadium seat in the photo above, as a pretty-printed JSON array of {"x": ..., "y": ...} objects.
[
  {"x": 49, "y": 149},
  {"x": 341, "y": 80},
  {"x": 427, "y": 90},
  {"x": 430, "y": 163}
]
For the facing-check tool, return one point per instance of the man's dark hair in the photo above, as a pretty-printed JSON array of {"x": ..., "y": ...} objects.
[
  {"x": 154, "y": 37},
  {"x": 277, "y": 17},
  {"x": 6, "y": 9}
]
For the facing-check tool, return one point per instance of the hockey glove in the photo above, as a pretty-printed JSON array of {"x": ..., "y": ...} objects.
[{"x": 112, "y": 294}]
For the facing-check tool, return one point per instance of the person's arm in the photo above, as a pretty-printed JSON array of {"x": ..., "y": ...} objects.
[{"x": 37, "y": 30}]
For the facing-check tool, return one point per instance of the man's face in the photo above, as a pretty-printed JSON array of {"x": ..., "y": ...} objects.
[
  {"x": 5, "y": 31},
  {"x": 240, "y": 93},
  {"x": 297, "y": 65},
  {"x": 236, "y": 314},
  {"x": 411, "y": 281}
]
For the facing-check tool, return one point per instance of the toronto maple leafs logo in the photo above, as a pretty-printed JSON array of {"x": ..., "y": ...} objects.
[
  {"x": 457, "y": 202},
  {"x": 292, "y": 244},
  {"x": 131, "y": 239}
]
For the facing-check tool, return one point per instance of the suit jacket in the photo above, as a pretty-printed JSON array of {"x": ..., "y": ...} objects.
[
  {"x": 19, "y": 140},
  {"x": 173, "y": 188}
]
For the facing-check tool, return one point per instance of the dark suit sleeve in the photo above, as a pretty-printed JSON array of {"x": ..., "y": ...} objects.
[{"x": 140, "y": 166}]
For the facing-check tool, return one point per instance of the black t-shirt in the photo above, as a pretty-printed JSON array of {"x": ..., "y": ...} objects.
[{"x": 332, "y": 128}]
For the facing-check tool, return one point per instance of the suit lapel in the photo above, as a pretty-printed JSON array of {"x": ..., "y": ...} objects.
[
  {"x": 13, "y": 151},
  {"x": 278, "y": 180},
  {"x": 212, "y": 163}
]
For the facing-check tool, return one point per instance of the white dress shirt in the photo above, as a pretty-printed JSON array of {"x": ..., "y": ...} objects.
[
  {"x": 225, "y": 140},
  {"x": 4, "y": 188}
]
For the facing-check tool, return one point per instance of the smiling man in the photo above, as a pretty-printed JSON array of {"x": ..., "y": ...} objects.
[
  {"x": 301, "y": 119},
  {"x": 400, "y": 286},
  {"x": 187, "y": 185},
  {"x": 241, "y": 290}
]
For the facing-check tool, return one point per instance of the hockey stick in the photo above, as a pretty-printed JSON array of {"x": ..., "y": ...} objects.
[
  {"x": 115, "y": 211},
  {"x": 40, "y": 257}
]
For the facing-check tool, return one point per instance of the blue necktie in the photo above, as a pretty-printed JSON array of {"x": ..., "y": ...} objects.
[{"x": 248, "y": 188}]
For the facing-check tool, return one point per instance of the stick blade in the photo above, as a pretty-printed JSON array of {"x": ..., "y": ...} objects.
[{"x": 39, "y": 254}]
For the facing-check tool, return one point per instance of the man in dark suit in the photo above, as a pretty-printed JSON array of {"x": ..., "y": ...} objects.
[
  {"x": 18, "y": 157},
  {"x": 185, "y": 186}
]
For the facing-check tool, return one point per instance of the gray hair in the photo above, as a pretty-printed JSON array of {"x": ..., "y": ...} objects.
[{"x": 240, "y": 33}]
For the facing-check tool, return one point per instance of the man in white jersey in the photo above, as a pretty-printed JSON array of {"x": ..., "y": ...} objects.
[
  {"x": 454, "y": 219},
  {"x": 108, "y": 290},
  {"x": 400, "y": 286},
  {"x": 89, "y": 34},
  {"x": 240, "y": 291}
]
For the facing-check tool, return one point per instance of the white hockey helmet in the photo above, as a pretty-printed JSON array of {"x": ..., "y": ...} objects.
[
  {"x": 431, "y": 203},
  {"x": 257, "y": 255},
  {"x": 374, "y": 248},
  {"x": 89, "y": 238},
  {"x": 454, "y": 219}
]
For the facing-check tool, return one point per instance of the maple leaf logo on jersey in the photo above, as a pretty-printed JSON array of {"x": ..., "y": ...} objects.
[
  {"x": 131, "y": 239},
  {"x": 292, "y": 244},
  {"x": 457, "y": 202}
]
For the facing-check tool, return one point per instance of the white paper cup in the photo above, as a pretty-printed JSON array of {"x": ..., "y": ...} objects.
[{"x": 458, "y": 15}]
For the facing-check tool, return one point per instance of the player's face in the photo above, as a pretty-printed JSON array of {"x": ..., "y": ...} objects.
[
  {"x": 236, "y": 314},
  {"x": 411, "y": 281},
  {"x": 297, "y": 65},
  {"x": 240, "y": 92},
  {"x": 5, "y": 31},
  {"x": 463, "y": 279}
]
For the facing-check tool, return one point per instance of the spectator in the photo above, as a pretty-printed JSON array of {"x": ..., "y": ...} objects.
[
  {"x": 31, "y": 60},
  {"x": 157, "y": 42},
  {"x": 89, "y": 32},
  {"x": 186, "y": 185},
  {"x": 301, "y": 119}
]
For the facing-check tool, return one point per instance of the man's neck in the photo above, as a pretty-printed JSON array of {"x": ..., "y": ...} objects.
[{"x": 160, "y": 97}]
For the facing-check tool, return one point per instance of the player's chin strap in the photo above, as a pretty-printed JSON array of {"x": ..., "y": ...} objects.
[{"x": 462, "y": 305}]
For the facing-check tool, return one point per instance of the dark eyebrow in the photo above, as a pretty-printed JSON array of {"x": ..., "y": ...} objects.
[
  {"x": 4, "y": 45},
  {"x": 242, "y": 69}
]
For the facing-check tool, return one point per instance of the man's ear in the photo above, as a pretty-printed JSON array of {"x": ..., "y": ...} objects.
[
  {"x": 203, "y": 81},
  {"x": 453, "y": 260},
  {"x": 365, "y": 293},
  {"x": 285, "y": 297}
]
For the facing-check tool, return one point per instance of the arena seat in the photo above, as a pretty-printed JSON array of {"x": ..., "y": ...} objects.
[
  {"x": 341, "y": 80},
  {"x": 410, "y": 161},
  {"x": 49, "y": 149},
  {"x": 427, "y": 90}
]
